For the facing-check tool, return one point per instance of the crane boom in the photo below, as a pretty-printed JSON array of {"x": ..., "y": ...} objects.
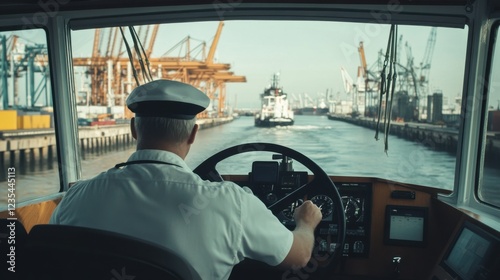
[
  {"x": 211, "y": 53},
  {"x": 114, "y": 33},
  {"x": 425, "y": 65},
  {"x": 152, "y": 40},
  {"x": 429, "y": 49},
  {"x": 97, "y": 38},
  {"x": 362, "y": 58},
  {"x": 346, "y": 78}
]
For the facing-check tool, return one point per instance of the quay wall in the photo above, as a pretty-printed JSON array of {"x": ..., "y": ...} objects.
[
  {"x": 32, "y": 150},
  {"x": 433, "y": 136}
]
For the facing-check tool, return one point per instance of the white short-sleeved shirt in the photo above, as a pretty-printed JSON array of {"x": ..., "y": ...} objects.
[{"x": 213, "y": 225}]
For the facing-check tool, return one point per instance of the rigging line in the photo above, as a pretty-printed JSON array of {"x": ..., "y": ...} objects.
[
  {"x": 382, "y": 82},
  {"x": 130, "y": 58},
  {"x": 381, "y": 97},
  {"x": 389, "y": 77},
  {"x": 393, "y": 87},
  {"x": 175, "y": 47},
  {"x": 138, "y": 52},
  {"x": 148, "y": 64}
]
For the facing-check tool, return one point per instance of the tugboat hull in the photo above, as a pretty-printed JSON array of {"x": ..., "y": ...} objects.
[{"x": 272, "y": 122}]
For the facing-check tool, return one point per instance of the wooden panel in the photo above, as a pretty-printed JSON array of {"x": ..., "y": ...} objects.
[
  {"x": 416, "y": 261},
  {"x": 33, "y": 214}
]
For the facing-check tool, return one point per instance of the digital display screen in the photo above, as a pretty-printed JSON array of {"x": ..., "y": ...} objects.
[
  {"x": 265, "y": 172},
  {"x": 471, "y": 255},
  {"x": 406, "y": 228},
  {"x": 405, "y": 225}
]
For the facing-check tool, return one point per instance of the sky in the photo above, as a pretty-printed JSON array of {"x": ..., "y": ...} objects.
[{"x": 308, "y": 55}]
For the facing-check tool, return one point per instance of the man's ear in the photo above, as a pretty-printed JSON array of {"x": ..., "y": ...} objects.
[
  {"x": 132, "y": 128},
  {"x": 192, "y": 136}
]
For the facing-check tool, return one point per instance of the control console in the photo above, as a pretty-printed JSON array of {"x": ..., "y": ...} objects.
[{"x": 271, "y": 181}]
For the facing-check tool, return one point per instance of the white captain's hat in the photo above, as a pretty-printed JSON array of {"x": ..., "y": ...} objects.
[{"x": 166, "y": 98}]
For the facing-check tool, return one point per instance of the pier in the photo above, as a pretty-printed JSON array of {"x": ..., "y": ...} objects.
[
  {"x": 436, "y": 137},
  {"x": 35, "y": 149}
]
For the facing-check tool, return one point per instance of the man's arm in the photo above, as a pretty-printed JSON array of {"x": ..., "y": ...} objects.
[{"x": 307, "y": 217}]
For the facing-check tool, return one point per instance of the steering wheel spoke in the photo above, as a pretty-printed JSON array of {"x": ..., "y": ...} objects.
[
  {"x": 292, "y": 197},
  {"x": 321, "y": 188}
]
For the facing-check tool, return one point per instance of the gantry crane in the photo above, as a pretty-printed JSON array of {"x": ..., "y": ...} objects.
[
  {"x": 347, "y": 81},
  {"x": 4, "y": 74},
  {"x": 367, "y": 84},
  {"x": 411, "y": 81},
  {"x": 425, "y": 65},
  {"x": 114, "y": 69},
  {"x": 30, "y": 60}
]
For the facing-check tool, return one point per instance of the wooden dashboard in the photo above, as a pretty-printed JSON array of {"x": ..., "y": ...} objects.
[{"x": 417, "y": 262}]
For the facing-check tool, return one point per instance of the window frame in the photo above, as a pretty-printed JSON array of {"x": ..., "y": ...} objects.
[
  {"x": 493, "y": 40},
  {"x": 15, "y": 25},
  {"x": 58, "y": 31}
]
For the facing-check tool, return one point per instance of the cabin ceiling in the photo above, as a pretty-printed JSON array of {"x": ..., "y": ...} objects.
[{"x": 32, "y": 6}]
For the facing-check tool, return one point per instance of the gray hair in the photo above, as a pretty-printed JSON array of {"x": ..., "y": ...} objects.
[{"x": 171, "y": 130}]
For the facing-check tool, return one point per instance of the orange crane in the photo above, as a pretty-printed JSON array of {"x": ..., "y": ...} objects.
[
  {"x": 152, "y": 40},
  {"x": 204, "y": 73},
  {"x": 367, "y": 82},
  {"x": 369, "y": 78},
  {"x": 95, "y": 71},
  {"x": 215, "y": 42},
  {"x": 363, "y": 68}
]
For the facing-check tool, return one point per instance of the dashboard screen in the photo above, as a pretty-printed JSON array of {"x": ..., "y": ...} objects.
[
  {"x": 265, "y": 172},
  {"x": 470, "y": 255},
  {"x": 405, "y": 225},
  {"x": 406, "y": 228}
]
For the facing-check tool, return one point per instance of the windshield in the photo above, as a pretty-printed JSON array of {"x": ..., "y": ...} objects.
[{"x": 329, "y": 76}]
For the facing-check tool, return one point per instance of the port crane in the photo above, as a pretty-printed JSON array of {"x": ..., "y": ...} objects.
[
  {"x": 17, "y": 59},
  {"x": 413, "y": 79},
  {"x": 111, "y": 73},
  {"x": 425, "y": 65},
  {"x": 366, "y": 86}
]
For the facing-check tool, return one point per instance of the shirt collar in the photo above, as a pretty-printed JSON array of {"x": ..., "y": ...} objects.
[{"x": 159, "y": 155}]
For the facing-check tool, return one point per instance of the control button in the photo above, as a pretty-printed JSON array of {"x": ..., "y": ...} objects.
[
  {"x": 267, "y": 188},
  {"x": 359, "y": 247},
  {"x": 346, "y": 248},
  {"x": 333, "y": 247},
  {"x": 271, "y": 198},
  {"x": 323, "y": 245}
]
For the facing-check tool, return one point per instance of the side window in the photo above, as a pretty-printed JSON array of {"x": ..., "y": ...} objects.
[
  {"x": 28, "y": 154},
  {"x": 489, "y": 186}
]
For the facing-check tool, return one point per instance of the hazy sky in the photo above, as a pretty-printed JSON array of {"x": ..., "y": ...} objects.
[{"x": 308, "y": 55}]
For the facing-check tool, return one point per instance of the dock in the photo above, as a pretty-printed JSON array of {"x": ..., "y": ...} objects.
[
  {"x": 435, "y": 137},
  {"x": 35, "y": 149}
]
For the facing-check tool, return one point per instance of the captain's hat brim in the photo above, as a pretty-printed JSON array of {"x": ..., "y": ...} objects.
[{"x": 166, "y": 98}]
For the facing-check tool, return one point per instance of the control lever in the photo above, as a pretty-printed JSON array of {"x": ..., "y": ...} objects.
[
  {"x": 396, "y": 261},
  {"x": 286, "y": 163}
]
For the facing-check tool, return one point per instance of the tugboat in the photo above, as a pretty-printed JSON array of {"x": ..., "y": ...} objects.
[{"x": 275, "y": 110}]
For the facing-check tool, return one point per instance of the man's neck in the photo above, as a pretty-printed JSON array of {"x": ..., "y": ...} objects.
[{"x": 177, "y": 149}]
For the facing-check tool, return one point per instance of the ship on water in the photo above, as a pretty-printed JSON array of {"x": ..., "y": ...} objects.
[
  {"x": 275, "y": 109},
  {"x": 306, "y": 105}
]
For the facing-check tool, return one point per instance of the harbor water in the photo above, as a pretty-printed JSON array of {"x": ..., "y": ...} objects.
[{"x": 340, "y": 148}]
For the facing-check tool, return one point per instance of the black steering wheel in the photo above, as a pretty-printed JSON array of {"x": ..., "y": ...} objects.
[{"x": 321, "y": 260}]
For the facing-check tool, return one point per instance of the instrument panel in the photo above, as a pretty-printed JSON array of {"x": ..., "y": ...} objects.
[{"x": 356, "y": 200}]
